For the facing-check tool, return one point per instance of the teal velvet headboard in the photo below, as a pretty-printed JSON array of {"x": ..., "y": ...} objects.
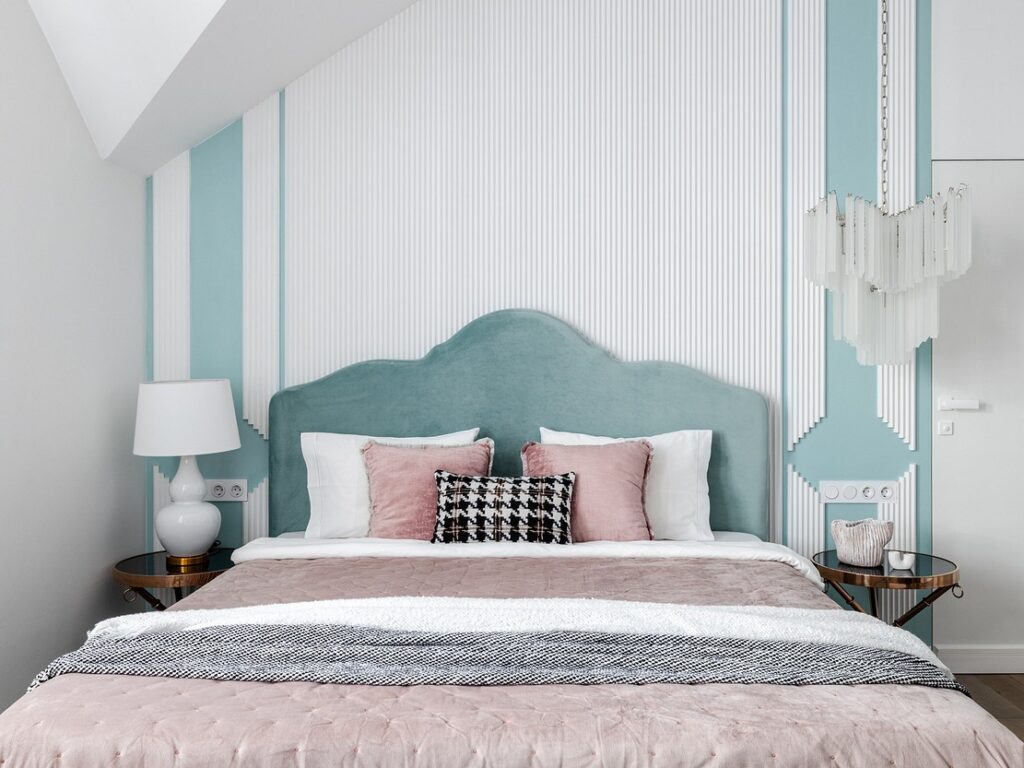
[{"x": 509, "y": 373}]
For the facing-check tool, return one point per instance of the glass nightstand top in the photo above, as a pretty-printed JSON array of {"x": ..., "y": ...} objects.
[
  {"x": 155, "y": 564},
  {"x": 924, "y": 566}
]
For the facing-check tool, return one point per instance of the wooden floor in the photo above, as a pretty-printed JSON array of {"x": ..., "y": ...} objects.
[{"x": 1001, "y": 695}]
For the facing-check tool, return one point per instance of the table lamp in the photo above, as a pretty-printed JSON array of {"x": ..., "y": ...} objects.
[{"x": 186, "y": 418}]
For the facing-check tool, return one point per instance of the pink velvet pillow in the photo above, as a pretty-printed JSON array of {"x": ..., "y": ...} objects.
[
  {"x": 403, "y": 493},
  {"x": 608, "y": 497}
]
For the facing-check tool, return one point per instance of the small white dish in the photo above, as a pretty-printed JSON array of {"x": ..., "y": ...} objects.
[{"x": 901, "y": 561}]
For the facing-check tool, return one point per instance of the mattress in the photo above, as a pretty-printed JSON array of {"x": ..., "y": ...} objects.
[{"x": 93, "y": 720}]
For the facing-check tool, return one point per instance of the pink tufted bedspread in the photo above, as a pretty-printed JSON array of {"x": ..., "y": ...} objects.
[{"x": 106, "y": 720}]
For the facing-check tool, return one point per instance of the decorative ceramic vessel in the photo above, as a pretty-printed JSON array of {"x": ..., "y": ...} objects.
[
  {"x": 861, "y": 542},
  {"x": 901, "y": 561}
]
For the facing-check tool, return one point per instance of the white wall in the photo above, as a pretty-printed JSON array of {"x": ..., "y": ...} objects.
[
  {"x": 978, "y": 139},
  {"x": 116, "y": 54},
  {"x": 977, "y": 76},
  {"x": 977, "y": 520},
  {"x": 72, "y": 334}
]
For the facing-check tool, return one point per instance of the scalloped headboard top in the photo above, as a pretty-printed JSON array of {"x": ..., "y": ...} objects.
[{"x": 509, "y": 373}]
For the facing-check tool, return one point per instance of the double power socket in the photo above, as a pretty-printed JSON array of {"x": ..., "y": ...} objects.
[{"x": 227, "y": 490}]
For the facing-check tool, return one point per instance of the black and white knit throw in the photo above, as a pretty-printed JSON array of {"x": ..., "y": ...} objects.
[{"x": 352, "y": 655}]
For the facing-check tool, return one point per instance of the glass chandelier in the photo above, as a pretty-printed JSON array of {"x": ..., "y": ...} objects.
[{"x": 885, "y": 270}]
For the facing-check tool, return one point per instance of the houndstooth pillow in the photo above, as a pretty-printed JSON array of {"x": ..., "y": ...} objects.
[{"x": 503, "y": 508}]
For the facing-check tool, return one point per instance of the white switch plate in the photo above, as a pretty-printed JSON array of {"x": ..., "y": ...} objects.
[
  {"x": 944, "y": 428},
  {"x": 858, "y": 491},
  {"x": 227, "y": 490}
]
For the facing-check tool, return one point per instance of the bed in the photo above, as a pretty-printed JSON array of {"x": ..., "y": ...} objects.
[{"x": 509, "y": 373}]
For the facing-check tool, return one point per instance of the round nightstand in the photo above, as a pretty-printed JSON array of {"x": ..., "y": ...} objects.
[
  {"x": 152, "y": 570},
  {"x": 928, "y": 572}
]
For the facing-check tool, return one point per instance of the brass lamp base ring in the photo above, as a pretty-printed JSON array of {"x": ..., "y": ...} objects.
[{"x": 188, "y": 561}]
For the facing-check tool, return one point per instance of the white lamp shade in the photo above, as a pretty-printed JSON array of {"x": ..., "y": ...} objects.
[{"x": 185, "y": 418}]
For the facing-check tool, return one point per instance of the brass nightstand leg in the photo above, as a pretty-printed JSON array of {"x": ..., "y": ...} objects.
[
  {"x": 846, "y": 596},
  {"x": 925, "y": 602}
]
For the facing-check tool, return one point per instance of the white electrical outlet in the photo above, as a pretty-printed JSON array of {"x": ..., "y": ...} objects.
[
  {"x": 858, "y": 491},
  {"x": 227, "y": 490}
]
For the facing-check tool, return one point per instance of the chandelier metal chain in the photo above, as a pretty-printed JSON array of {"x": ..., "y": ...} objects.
[{"x": 884, "y": 269}]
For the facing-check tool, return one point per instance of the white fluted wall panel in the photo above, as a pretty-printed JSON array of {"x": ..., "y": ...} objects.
[
  {"x": 897, "y": 384},
  {"x": 805, "y": 515},
  {"x": 806, "y": 186},
  {"x": 616, "y": 164},
  {"x": 161, "y": 498},
  {"x": 261, "y": 259},
  {"x": 171, "y": 292},
  {"x": 903, "y": 513},
  {"x": 255, "y": 513},
  {"x": 897, "y": 400}
]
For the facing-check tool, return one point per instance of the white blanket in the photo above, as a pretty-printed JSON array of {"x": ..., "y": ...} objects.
[
  {"x": 307, "y": 549},
  {"x": 461, "y": 614}
]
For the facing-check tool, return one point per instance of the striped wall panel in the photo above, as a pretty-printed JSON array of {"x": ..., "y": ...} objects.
[
  {"x": 161, "y": 498},
  {"x": 903, "y": 513},
  {"x": 897, "y": 400},
  {"x": 897, "y": 384},
  {"x": 805, "y": 311},
  {"x": 171, "y": 308},
  {"x": 261, "y": 256},
  {"x": 805, "y": 515},
  {"x": 615, "y": 164},
  {"x": 255, "y": 517}
]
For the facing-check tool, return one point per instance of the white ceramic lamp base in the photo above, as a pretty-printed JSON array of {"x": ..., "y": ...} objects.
[{"x": 188, "y": 526}]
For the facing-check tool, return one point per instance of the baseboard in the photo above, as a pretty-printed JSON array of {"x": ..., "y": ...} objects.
[{"x": 982, "y": 659}]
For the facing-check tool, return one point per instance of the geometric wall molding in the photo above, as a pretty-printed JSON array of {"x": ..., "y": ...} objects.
[
  {"x": 161, "y": 499},
  {"x": 171, "y": 308},
  {"x": 626, "y": 180},
  {"x": 261, "y": 258},
  {"x": 805, "y": 523},
  {"x": 897, "y": 384},
  {"x": 896, "y": 397},
  {"x": 255, "y": 517},
  {"x": 903, "y": 514},
  {"x": 805, "y": 515},
  {"x": 805, "y": 175}
]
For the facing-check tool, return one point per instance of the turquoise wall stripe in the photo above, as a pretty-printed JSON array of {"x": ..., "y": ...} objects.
[
  {"x": 852, "y": 442},
  {"x": 215, "y": 245}
]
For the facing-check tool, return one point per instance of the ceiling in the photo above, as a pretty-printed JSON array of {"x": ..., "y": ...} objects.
[{"x": 155, "y": 77}]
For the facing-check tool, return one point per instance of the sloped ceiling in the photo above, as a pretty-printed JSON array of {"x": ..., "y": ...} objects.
[{"x": 155, "y": 77}]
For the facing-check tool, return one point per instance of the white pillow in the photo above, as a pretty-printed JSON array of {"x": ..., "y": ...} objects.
[
  {"x": 339, "y": 492},
  {"x": 677, "y": 502}
]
